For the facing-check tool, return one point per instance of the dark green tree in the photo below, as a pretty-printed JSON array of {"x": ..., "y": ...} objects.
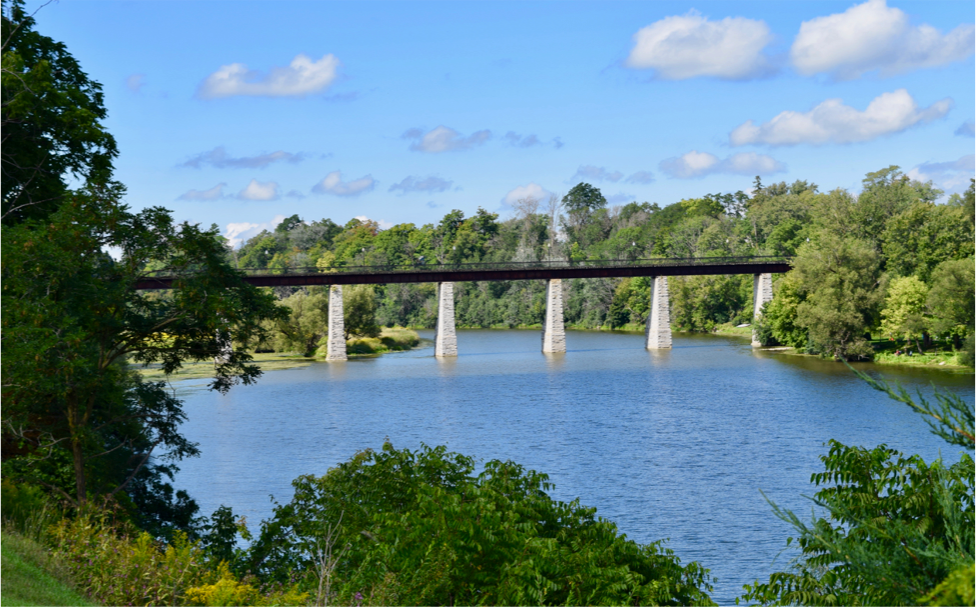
[
  {"x": 52, "y": 117},
  {"x": 73, "y": 318}
]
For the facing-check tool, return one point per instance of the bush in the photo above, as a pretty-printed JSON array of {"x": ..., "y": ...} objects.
[{"x": 416, "y": 528}]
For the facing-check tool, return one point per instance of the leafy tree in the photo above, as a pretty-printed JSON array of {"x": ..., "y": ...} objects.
[
  {"x": 308, "y": 322},
  {"x": 580, "y": 203},
  {"x": 839, "y": 280},
  {"x": 925, "y": 235},
  {"x": 418, "y": 528},
  {"x": 51, "y": 120},
  {"x": 904, "y": 309},
  {"x": 778, "y": 320},
  {"x": 951, "y": 300},
  {"x": 359, "y": 311},
  {"x": 72, "y": 317}
]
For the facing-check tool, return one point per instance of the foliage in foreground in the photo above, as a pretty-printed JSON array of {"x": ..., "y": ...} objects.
[
  {"x": 31, "y": 576},
  {"x": 417, "y": 528},
  {"x": 899, "y": 531}
]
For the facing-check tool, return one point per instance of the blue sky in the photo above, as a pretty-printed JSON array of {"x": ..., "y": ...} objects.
[{"x": 241, "y": 113}]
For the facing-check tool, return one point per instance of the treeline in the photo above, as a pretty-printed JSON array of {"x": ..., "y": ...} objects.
[{"x": 888, "y": 261}]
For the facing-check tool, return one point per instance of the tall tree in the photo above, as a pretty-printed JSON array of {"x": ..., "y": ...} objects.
[
  {"x": 52, "y": 117},
  {"x": 72, "y": 319}
]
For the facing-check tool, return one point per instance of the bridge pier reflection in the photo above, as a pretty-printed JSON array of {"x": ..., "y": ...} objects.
[{"x": 658, "y": 333}]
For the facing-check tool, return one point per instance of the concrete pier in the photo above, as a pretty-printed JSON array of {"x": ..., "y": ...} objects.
[
  {"x": 336, "y": 348},
  {"x": 658, "y": 335},
  {"x": 554, "y": 329},
  {"x": 445, "y": 337},
  {"x": 762, "y": 291}
]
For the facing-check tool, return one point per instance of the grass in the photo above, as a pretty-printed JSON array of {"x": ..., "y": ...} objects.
[
  {"x": 196, "y": 370},
  {"x": 30, "y": 575}
]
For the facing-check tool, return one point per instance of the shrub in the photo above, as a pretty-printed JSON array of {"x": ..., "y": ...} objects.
[{"x": 419, "y": 528}]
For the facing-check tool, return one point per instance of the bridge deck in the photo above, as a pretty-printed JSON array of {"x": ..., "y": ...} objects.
[{"x": 507, "y": 271}]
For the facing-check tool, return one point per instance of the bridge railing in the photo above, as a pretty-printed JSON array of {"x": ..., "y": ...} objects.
[{"x": 511, "y": 265}]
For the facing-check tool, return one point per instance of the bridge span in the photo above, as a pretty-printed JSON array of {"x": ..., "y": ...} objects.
[{"x": 657, "y": 333}]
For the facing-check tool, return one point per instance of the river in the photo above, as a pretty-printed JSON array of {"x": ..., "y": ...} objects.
[{"x": 670, "y": 444}]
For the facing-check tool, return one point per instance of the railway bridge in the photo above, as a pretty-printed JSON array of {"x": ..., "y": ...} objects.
[{"x": 657, "y": 334}]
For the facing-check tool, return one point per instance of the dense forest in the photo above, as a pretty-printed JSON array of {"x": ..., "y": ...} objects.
[{"x": 888, "y": 261}]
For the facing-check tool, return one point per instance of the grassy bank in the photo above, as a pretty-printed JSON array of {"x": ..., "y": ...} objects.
[
  {"x": 31, "y": 576},
  {"x": 273, "y": 361}
]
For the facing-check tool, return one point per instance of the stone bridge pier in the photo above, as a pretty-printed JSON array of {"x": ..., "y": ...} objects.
[
  {"x": 445, "y": 336},
  {"x": 658, "y": 332},
  {"x": 762, "y": 291},
  {"x": 336, "y": 348},
  {"x": 554, "y": 328}
]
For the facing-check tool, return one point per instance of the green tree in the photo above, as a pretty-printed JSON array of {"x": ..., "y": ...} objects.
[
  {"x": 51, "y": 121},
  {"x": 779, "y": 315},
  {"x": 72, "y": 317},
  {"x": 903, "y": 315},
  {"x": 951, "y": 300},
  {"x": 419, "y": 528},
  {"x": 923, "y": 236},
  {"x": 359, "y": 312},
  {"x": 308, "y": 322},
  {"x": 580, "y": 203},
  {"x": 840, "y": 282}
]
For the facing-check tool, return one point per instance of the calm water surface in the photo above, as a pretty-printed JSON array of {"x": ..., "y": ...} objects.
[{"x": 674, "y": 444}]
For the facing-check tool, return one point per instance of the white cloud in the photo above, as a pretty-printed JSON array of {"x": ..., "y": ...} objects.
[
  {"x": 383, "y": 225},
  {"x": 966, "y": 129},
  {"x": 301, "y": 77},
  {"x": 952, "y": 176},
  {"x": 418, "y": 184},
  {"x": 444, "y": 139},
  {"x": 213, "y": 193},
  {"x": 643, "y": 177},
  {"x": 135, "y": 82},
  {"x": 695, "y": 165},
  {"x": 257, "y": 190},
  {"x": 689, "y": 46},
  {"x": 873, "y": 36},
  {"x": 532, "y": 190},
  {"x": 237, "y": 233},
  {"x": 834, "y": 122},
  {"x": 595, "y": 173},
  {"x": 333, "y": 184},
  {"x": 218, "y": 158}
]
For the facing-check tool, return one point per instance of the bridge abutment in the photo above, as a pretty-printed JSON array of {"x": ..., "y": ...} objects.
[
  {"x": 554, "y": 329},
  {"x": 658, "y": 333},
  {"x": 336, "y": 345},
  {"x": 762, "y": 291},
  {"x": 445, "y": 336}
]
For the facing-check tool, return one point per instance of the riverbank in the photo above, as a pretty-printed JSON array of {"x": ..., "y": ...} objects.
[
  {"x": 390, "y": 340},
  {"x": 884, "y": 352}
]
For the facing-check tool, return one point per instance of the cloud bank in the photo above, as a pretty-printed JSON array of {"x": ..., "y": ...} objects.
[
  {"x": 689, "y": 46},
  {"x": 952, "y": 176},
  {"x": 589, "y": 172},
  {"x": 695, "y": 165},
  {"x": 444, "y": 139},
  {"x": 333, "y": 184},
  {"x": 873, "y": 36},
  {"x": 966, "y": 129},
  {"x": 218, "y": 158},
  {"x": 834, "y": 122},
  {"x": 301, "y": 77}
]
